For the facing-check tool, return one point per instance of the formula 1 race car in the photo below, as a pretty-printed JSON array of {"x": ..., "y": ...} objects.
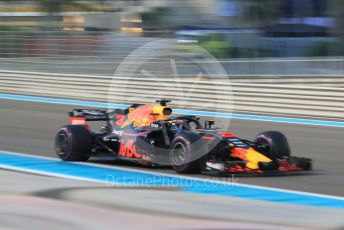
[{"x": 148, "y": 134}]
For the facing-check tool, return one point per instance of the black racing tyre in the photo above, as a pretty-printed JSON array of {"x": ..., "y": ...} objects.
[
  {"x": 276, "y": 143},
  {"x": 181, "y": 156},
  {"x": 73, "y": 143}
]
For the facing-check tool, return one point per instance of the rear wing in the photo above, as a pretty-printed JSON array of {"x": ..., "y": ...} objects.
[
  {"x": 81, "y": 116},
  {"x": 90, "y": 115}
]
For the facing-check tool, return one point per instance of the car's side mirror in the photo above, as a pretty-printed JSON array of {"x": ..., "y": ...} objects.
[{"x": 208, "y": 124}]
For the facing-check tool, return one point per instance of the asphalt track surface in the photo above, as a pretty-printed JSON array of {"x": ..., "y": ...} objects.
[{"x": 29, "y": 127}]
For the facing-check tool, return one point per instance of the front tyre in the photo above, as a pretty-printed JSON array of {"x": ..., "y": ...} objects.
[
  {"x": 181, "y": 156},
  {"x": 276, "y": 144},
  {"x": 73, "y": 143}
]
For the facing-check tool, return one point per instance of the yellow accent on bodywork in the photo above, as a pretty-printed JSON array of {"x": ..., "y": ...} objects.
[
  {"x": 145, "y": 115},
  {"x": 157, "y": 109},
  {"x": 253, "y": 158}
]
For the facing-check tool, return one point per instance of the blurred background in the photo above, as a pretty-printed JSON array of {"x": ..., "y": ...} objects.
[
  {"x": 285, "y": 62},
  {"x": 303, "y": 35}
]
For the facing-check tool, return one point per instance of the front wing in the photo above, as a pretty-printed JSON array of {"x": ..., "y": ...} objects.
[{"x": 286, "y": 166}]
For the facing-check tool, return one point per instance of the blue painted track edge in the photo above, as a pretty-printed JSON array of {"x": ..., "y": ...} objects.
[{"x": 130, "y": 177}]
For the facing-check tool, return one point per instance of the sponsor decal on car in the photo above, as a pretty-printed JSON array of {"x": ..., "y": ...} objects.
[
  {"x": 217, "y": 166},
  {"x": 128, "y": 149}
]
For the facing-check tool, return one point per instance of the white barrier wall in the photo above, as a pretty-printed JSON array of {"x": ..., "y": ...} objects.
[{"x": 254, "y": 98}]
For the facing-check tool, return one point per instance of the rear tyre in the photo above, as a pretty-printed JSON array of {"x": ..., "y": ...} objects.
[
  {"x": 73, "y": 143},
  {"x": 181, "y": 156},
  {"x": 276, "y": 143}
]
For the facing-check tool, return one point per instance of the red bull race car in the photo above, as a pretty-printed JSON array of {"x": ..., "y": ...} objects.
[{"x": 150, "y": 135}]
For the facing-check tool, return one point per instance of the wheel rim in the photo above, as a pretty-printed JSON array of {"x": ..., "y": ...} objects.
[
  {"x": 179, "y": 154},
  {"x": 61, "y": 143}
]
